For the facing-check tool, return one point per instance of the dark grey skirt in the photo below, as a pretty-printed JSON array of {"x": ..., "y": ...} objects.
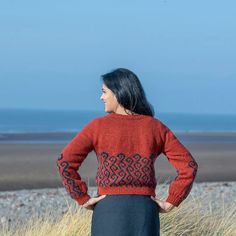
[{"x": 125, "y": 215}]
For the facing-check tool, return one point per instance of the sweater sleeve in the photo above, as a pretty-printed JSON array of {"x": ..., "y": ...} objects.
[
  {"x": 69, "y": 161},
  {"x": 184, "y": 163}
]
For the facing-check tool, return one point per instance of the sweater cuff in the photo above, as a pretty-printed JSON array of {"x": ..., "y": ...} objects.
[
  {"x": 83, "y": 199},
  {"x": 174, "y": 200}
]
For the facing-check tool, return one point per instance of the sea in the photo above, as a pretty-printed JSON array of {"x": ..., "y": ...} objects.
[{"x": 59, "y": 126}]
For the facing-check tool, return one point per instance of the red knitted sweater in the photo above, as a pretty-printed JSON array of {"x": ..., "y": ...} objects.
[{"x": 126, "y": 147}]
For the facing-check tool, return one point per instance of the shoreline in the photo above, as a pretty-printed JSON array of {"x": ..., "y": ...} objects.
[{"x": 65, "y": 137}]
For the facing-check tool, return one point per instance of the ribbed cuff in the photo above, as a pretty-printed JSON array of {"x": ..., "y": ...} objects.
[
  {"x": 174, "y": 200},
  {"x": 82, "y": 199}
]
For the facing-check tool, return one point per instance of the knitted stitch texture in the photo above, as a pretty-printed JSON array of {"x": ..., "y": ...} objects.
[{"x": 126, "y": 147}]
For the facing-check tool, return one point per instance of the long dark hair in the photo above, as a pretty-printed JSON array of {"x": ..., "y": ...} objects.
[{"x": 128, "y": 91}]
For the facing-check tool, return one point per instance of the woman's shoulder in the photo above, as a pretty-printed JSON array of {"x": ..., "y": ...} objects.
[
  {"x": 160, "y": 125},
  {"x": 96, "y": 120}
]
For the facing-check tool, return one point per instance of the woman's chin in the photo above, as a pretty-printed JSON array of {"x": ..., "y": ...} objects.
[{"x": 107, "y": 110}]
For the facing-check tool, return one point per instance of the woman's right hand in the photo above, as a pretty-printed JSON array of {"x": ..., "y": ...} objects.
[
  {"x": 89, "y": 205},
  {"x": 164, "y": 207}
]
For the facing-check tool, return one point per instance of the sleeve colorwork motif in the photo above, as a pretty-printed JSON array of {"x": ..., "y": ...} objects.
[
  {"x": 185, "y": 165},
  {"x": 71, "y": 159}
]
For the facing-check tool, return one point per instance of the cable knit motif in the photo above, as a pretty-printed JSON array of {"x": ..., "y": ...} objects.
[{"x": 121, "y": 170}]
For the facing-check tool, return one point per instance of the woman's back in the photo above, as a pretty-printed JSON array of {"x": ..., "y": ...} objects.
[{"x": 126, "y": 147}]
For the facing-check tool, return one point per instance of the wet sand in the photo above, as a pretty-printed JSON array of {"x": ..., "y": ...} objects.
[{"x": 33, "y": 166}]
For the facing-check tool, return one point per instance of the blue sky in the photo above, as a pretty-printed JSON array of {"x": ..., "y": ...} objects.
[{"x": 52, "y": 53}]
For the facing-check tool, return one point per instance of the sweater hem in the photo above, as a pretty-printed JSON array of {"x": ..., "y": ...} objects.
[{"x": 126, "y": 190}]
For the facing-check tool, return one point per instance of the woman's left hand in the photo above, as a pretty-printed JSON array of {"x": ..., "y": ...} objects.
[
  {"x": 164, "y": 207},
  {"x": 89, "y": 205}
]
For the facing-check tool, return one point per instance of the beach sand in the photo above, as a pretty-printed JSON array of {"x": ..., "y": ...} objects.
[{"x": 33, "y": 166}]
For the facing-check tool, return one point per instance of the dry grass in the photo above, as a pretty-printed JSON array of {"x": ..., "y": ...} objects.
[
  {"x": 193, "y": 217},
  {"x": 76, "y": 221},
  {"x": 198, "y": 218}
]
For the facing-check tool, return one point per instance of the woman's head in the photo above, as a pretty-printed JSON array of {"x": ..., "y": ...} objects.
[{"x": 122, "y": 90}]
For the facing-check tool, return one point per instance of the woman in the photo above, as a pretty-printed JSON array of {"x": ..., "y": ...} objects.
[{"x": 127, "y": 142}]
